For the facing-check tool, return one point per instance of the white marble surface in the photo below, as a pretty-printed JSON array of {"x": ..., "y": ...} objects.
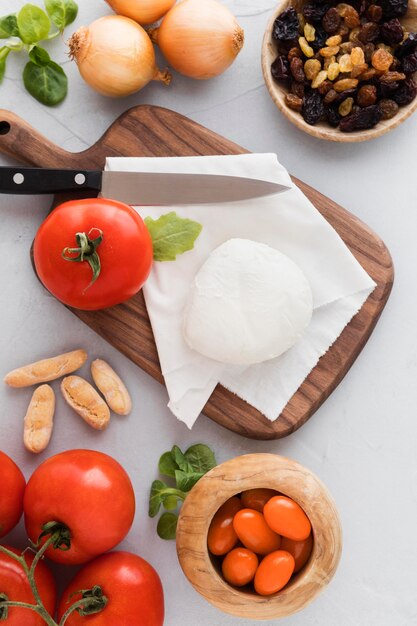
[{"x": 361, "y": 443}]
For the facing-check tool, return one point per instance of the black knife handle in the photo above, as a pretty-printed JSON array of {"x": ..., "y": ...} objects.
[{"x": 32, "y": 180}]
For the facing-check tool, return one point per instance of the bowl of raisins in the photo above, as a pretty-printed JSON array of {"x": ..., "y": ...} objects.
[{"x": 343, "y": 71}]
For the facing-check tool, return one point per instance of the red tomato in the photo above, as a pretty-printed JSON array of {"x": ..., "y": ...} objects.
[
  {"x": 300, "y": 550},
  {"x": 257, "y": 498},
  {"x": 253, "y": 531},
  {"x": 11, "y": 499},
  {"x": 90, "y": 493},
  {"x": 125, "y": 253},
  {"x": 221, "y": 536},
  {"x": 239, "y": 566},
  {"x": 274, "y": 572},
  {"x": 15, "y": 585},
  {"x": 131, "y": 585},
  {"x": 287, "y": 518}
]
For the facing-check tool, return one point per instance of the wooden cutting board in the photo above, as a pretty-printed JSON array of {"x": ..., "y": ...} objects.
[{"x": 153, "y": 131}]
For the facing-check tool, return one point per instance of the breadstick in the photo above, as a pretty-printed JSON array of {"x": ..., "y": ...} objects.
[
  {"x": 46, "y": 370},
  {"x": 39, "y": 419},
  {"x": 85, "y": 400},
  {"x": 112, "y": 387}
]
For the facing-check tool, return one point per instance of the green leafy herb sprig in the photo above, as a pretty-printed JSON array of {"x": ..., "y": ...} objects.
[
  {"x": 44, "y": 79},
  {"x": 172, "y": 235},
  {"x": 186, "y": 468}
]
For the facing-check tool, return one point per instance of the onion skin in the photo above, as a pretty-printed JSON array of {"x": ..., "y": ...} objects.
[
  {"x": 115, "y": 56},
  {"x": 142, "y": 11},
  {"x": 199, "y": 38}
]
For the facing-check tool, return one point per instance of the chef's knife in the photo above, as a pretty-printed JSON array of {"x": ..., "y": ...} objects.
[{"x": 137, "y": 187}]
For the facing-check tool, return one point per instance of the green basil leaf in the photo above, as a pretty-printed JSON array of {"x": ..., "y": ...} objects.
[
  {"x": 155, "y": 499},
  {"x": 170, "y": 503},
  {"x": 8, "y": 27},
  {"x": 186, "y": 481},
  {"x": 47, "y": 83},
  {"x": 61, "y": 12},
  {"x": 167, "y": 465},
  {"x": 4, "y": 53},
  {"x": 172, "y": 235},
  {"x": 33, "y": 24},
  {"x": 180, "y": 460},
  {"x": 39, "y": 56},
  {"x": 167, "y": 526},
  {"x": 201, "y": 458}
]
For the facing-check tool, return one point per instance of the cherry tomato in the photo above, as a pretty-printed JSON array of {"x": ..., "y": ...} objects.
[
  {"x": 287, "y": 518},
  {"x": 131, "y": 585},
  {"x": 15, "y": 586},
  {"x": 273, "y": 573},
  {"x": 253, "y": 531},
  {"x": 257, "y": 498},
  {"x": 300, "y": 550},
  {"x": 221, "y": 536},
  {"x": 12, "y": 489},
  {"x": 239, "y": 566},
  {"x": 125, "y": 253},
  {"x": 87, "y": 492}
]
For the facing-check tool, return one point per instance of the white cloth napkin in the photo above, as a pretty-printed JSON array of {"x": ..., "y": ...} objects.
[{"x": 287, "y": 222}]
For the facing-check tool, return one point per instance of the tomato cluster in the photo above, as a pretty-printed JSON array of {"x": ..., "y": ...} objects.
[
  {"x": 263, "y": 537},
  {"x": 82, "y": 503}
]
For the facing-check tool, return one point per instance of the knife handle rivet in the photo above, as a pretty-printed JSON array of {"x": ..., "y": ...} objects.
[
  {"x": 18, "y": 179},
  {"x": 80, "y": 179}
]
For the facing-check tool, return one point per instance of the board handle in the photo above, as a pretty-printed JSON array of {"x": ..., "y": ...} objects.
[{"x": 22, "y": 142}]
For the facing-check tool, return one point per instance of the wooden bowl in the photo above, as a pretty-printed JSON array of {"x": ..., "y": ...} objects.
[
  {"x": 249, "y": 472},
  {"x": 322, "y": 130}
]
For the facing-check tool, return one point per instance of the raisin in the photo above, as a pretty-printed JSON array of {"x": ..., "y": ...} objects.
[
  {"x": 313, "y": 108},
  {"x": 347, "y": 47},
  {"x": 329, "y": 51},
  {"x": 374, "y": 13},
  {"x": 333, "y": 71},
  {"x": 311, "y": 68},
  {"x": 406, "y": 92},
  {"x": 392, "y": 32},
  {"x": 331, "y": 21},
  {"x": 333, "y": 116},
  {"x": 293, "y": 102},
  {"x": 393, "y": 8},
  {"x": 297, "y": 89},
  {"x": 369, "y": 32},
  {"x": 381, "y": 59},
  {"x": 325, "y": 87},
  {"x": 309, "y": 32},
  {"x": 330, "y": 97},
  {"x": 357, "y": 56},
  {"x": 351, "y": 17},
  {"x": 368, "y": 74},
  {"x": 294, "y": 52},
  {"x": 369, "y": 50},
  {"x": 388, "y": 108},
  {"x": 286, "y": 25},
  {"x": 363, "y": 119},
  {"x": 345, "y": 63},
  {"x": 314, "y": 13},
  {"x": 280, "y": 68},
  {"x": 358, "y": 70},
  {"x": 408, "y": 46},
  {"x": 345, "y": 94},
  {"x": 366, "y": 96},
  {"x": 392, "y": 77},
  {"x": 345, "y": 83},
  {"x": 297, "y": 69},
  {"x": 320, "y": 40},
  {"x": 409, "y": 64},
  {"x": 346, "y": 107},
  {"x": 385, "y": 90}
]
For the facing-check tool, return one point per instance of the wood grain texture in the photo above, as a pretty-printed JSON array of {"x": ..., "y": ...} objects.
[
  {"x": 152, "y": 131},
  {"x": 322, "y": 130},
  {"x": 250, "y": 472}
]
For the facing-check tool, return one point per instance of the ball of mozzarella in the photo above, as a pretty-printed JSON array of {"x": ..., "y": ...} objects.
[{"x": 248, "y": 303}]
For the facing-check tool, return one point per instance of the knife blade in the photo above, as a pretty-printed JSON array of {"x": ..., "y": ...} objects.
[{"x": 137, "y": 187}]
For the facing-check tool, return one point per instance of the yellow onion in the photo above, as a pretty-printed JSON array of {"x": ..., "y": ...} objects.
[
  {"x": 115, "y": 56},
  {"x": 199, "y": 38},
  {"x": 142, "y": 11}
]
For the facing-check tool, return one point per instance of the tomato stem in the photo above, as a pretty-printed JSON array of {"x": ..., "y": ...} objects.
[
  {"x": 92, "y": 601},
  {"x": 86, "y": 250}
]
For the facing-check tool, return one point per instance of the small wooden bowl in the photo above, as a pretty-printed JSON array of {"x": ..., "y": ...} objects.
[
  {"x": 322, "y": 130},
  {"x": 249, "y": 472}
]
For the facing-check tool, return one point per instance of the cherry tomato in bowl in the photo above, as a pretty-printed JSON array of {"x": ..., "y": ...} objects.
[
  {"x": 12, "y": 489},
  {"x": 286, "y": 517},
  {"x": 93, "y": 254},
  {"x": 239, "y": 566},
  {"x": 14, "y": 586},
  {"x": 274, "y": 572},
  {"x": 257, "y": 498},
  {"x": 221, "y": 536},
  {"x": 131, "y": 585},
  {"x": 253, "y": 531},
  {"x": 88, "y": 499},
  {"x": 300, "y": 550}
]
